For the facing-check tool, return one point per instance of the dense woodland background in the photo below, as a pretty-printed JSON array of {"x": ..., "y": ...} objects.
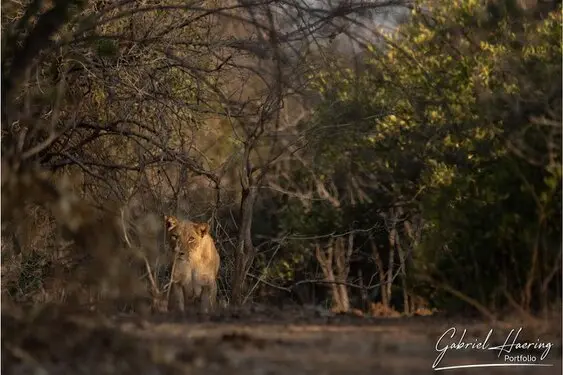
[{"x": 389, "y": 156}]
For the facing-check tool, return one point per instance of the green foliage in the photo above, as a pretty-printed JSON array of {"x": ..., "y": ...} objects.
[{"x": 464, "y": 104}]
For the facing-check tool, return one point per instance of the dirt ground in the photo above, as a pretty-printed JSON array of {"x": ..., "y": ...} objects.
[{"x": 257, "y": 341}]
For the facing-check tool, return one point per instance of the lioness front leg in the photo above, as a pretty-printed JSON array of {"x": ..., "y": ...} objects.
[
  {"x": 208, "y": 296},
  {"x": 189, "y": 295},
  {"x": 176, "y": 301}
]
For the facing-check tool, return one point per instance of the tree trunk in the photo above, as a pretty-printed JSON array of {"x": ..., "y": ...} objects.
[
  {"x": 244, "y": 253},
  {"x": 392, "y": 238},
  {"x": 381, "y": 272},
  {"x": 363, "y": 291},
  {"x": 325, "y": 260},
  {"x": 335, "y": 264},
  {"x": 343, "y": 255},
  {"x": 403, "y": 270}
]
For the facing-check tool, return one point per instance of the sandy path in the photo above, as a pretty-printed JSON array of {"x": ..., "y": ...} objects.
[{"x": 252, "y": 344}]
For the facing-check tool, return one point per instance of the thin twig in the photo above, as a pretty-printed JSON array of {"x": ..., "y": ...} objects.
[{"x": 147, "y": 265}]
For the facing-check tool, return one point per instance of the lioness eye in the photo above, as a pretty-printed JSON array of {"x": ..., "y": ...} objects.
[{"x": 191, "y": 239}]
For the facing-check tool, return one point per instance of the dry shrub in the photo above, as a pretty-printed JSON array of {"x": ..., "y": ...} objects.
[
  {"x": 380, "y": 310},
  {"x": 61, "y": 249},
  {"x": 424, "y": 311}
]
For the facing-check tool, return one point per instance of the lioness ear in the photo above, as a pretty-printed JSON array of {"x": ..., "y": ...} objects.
[
  {"x": 203, "y": 229},
  {"x": 171, "y": 222}
]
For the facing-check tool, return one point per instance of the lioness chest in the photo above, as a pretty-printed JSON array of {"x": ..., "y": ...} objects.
[{"x": 193, "y": 269}]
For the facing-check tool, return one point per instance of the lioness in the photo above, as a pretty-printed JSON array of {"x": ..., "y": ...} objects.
[{"x": 195, "y": 266}]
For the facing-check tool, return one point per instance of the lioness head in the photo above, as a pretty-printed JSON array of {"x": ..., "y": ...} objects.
[{"x": 185, "y": 235}]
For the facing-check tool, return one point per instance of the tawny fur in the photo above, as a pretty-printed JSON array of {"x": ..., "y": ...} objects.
[{"x": 196, "y": 265}]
